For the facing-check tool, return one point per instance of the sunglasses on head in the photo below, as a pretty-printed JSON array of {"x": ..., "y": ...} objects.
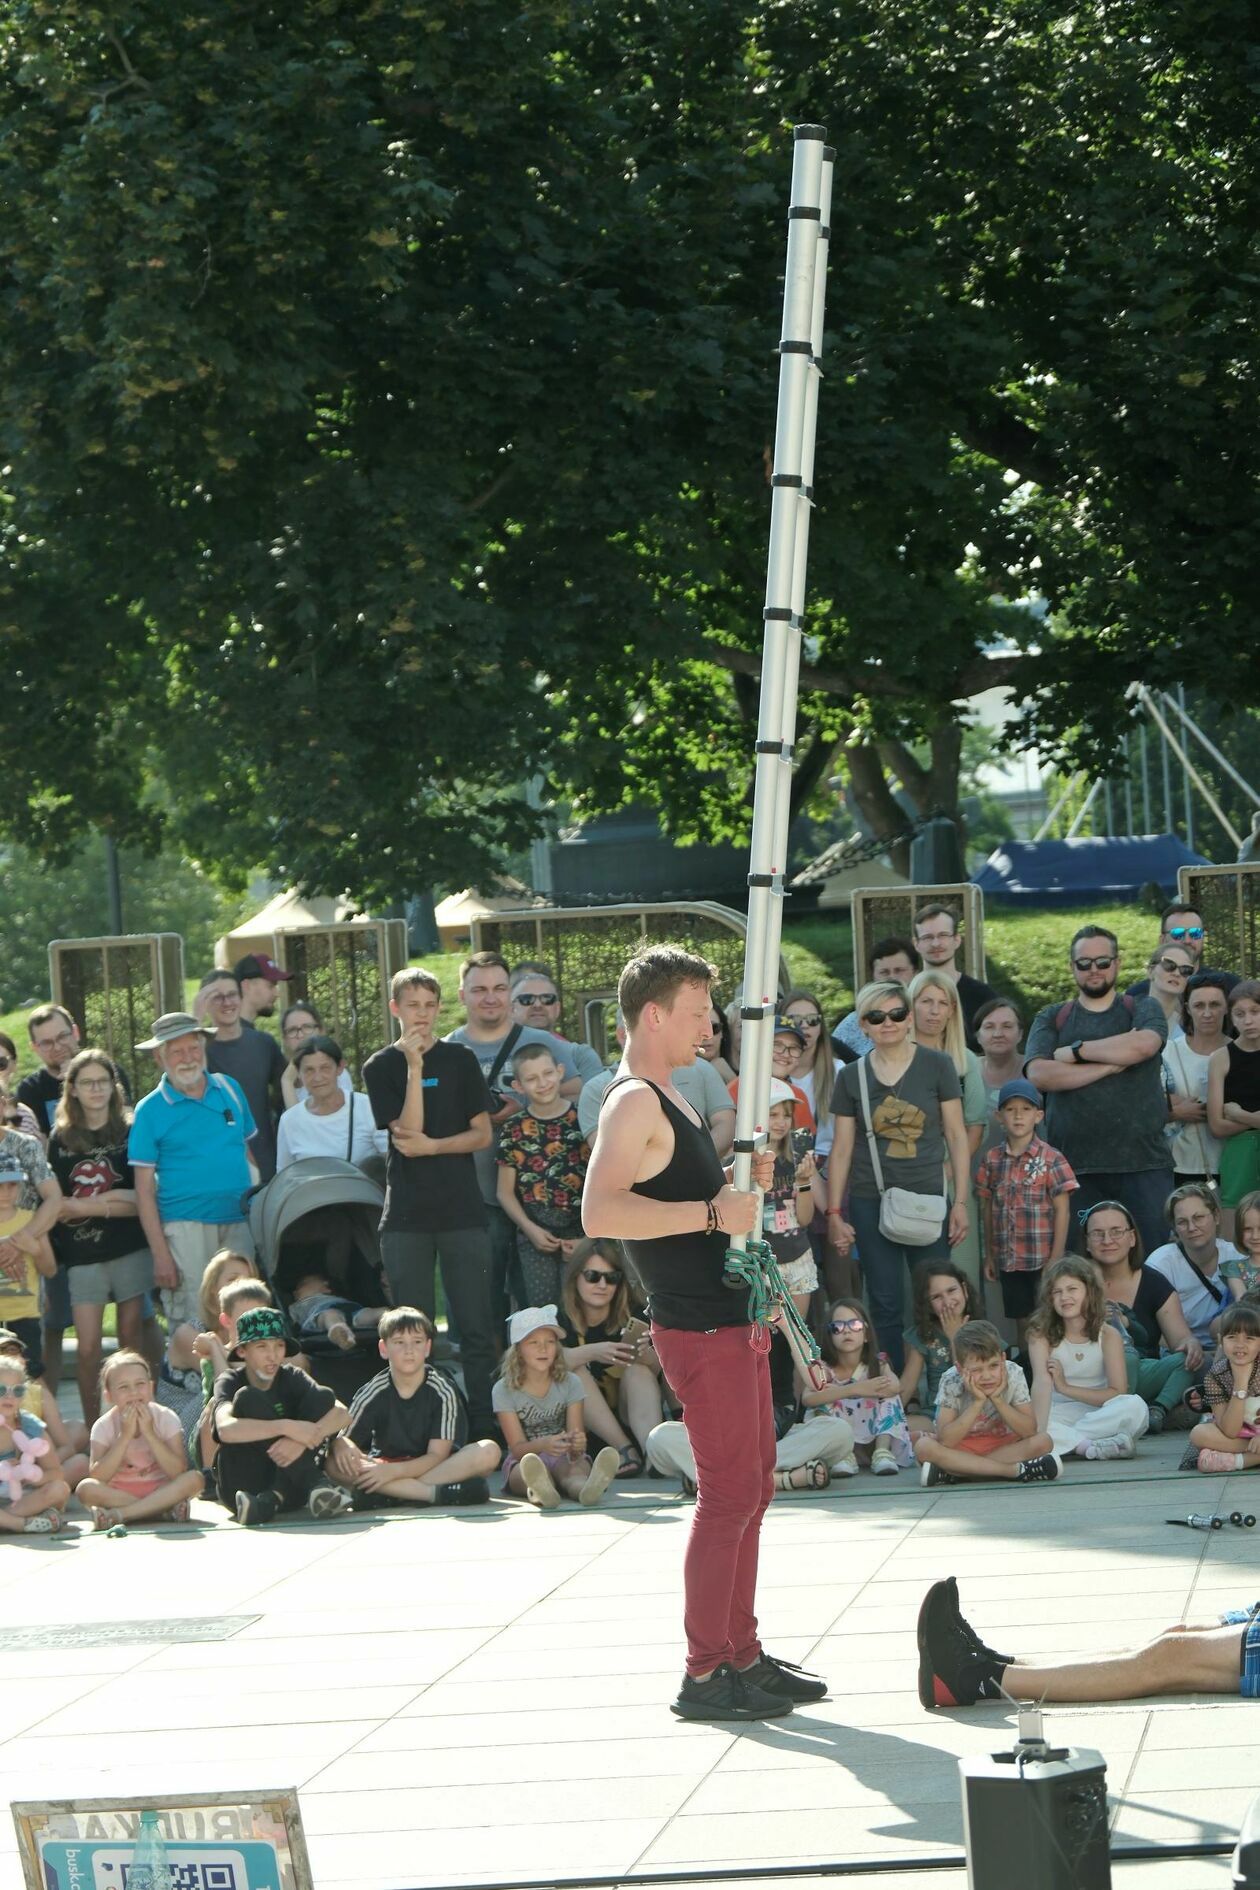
[
  {"x": 1095, "y": 964},
  {"x": 847, "y": 1325},
  {"x": 595, "y": 1277},
  {"x": 1185, "y": 931},
  {"x": 896, "y": 1015}
]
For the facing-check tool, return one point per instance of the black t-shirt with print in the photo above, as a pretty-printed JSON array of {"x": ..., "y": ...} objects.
[
  {"x": 430, "y": 1193},
  {"x": 85, "y": 1174}
]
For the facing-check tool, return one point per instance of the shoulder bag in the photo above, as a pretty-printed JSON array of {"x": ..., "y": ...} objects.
[{"x": 912, "y": 1220}]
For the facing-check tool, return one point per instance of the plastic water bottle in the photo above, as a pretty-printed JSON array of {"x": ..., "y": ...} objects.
[{"x": 149, "y": 1868}]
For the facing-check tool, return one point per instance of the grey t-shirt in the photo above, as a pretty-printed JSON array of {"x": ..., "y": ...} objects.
[
  {"x": 486, "y": 1159},
  {"x": 540, "y": 1417},
  {"x": 698, "y": 1082},
  {"x": 906, "y": 1119},
  {"x": 1114, "y": 1126},
  {"x": 256, "y": 1063}
]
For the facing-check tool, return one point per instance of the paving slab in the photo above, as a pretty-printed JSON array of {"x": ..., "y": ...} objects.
[{"x": 482, "y": 1698}]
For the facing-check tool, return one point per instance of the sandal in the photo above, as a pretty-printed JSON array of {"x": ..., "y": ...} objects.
[
  {"x": 631, "y": 1461},
  {"x": 1194, "y": 1400},
  {"x": 814, "y": 1475},
  {"x": 45, "y": 1525}
]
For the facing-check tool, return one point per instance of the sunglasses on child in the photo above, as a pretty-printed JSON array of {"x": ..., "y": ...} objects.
[
  {"x": 847, "y": 1325},
  {"x": 897, "y": 1015},
  {"x": 13, "y": 1391},
  {"x": 594, "y": 1277}
]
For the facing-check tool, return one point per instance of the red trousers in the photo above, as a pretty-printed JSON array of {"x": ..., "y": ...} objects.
[{"x": 725, "y": 1388}]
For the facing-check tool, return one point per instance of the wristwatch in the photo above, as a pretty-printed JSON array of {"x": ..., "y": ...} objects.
[{"x": 1075, "y": 1048}]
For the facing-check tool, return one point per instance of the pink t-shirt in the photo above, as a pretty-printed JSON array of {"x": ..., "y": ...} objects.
[{"x": 138, "y": 1464}]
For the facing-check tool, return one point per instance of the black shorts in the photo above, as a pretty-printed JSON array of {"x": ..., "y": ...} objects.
[{"x": 1019, "y": 1293}]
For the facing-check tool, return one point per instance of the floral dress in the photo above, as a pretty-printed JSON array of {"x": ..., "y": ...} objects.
[{"x": 880, "y": 1422}]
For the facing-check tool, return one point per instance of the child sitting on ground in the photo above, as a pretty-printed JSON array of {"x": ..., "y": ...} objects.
[
  {"x": 1023, "y": 1186},
  {"x": 407, "y": 1438},
  {"x": 68, "y": 1438},
  {"x": 863, "y": 1389},
  {"x": 1080, "y": 1378},
  {"x": 33, "y": 1486},
  {"x": 181, "y": 1383},
  {"x": 538, "y": 1402},
  {"x": 1230, "y": 1438},
  {"x": 269, "y": 1421},
  {"x": 984, "y": 1418},
  {"x": 542, "y": 1164},
  {"x": 943, "y": 1299},
  {"x": 1243, "y": 1273},
  {"x": 315, "y": 1310},
  {"x": 139, "y": 1470}
]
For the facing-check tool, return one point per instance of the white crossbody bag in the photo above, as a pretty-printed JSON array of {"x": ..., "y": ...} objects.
[{"x": 912, "y": 1220}]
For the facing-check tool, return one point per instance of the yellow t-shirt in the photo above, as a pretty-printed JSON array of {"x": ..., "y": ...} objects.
[{"x": 19, "y": 1299}]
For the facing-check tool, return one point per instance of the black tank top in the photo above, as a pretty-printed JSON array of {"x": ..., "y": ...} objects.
[
  {"x": 1242, "y": 1078},
  {"x": 683, "y": 1272}
]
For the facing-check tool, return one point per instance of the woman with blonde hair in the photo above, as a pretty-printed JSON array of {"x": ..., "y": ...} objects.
[{"x": 937, "y": 1022}]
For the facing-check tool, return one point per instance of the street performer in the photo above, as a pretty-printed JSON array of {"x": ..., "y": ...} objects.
[{"x": 656, "y": 1184}]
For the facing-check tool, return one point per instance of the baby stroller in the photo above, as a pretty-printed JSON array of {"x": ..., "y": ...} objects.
[{"x": 321, "y": 1215}]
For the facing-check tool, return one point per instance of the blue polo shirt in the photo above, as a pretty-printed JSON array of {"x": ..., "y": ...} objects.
[{"x": 197, "y": 1145}]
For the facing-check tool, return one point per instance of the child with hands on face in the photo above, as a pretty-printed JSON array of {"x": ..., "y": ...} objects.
[
  {"x": 863, "y": 1389},
  {"x": 985, "y": 1426},
  {"x": 139, "y": 1463},
  {"x": 538, "y": 1402},
  {"x": 36, "y": 1509},
  {"x": 542, "y": 1163},
  {"x": 1230, "y": 1438}
]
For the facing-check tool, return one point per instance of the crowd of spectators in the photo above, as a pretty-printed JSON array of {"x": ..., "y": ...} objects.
[{"x": 1015, "y": 1247}]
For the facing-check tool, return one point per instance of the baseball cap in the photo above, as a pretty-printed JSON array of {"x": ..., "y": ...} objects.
[
  {"x": 529, "y": 1319},
  {"x": 781, "y": 1092},
  {"x": 260, "y": 1322},
  {"x": 1019, "y": 1089},
  {"x": 9, "y": 1171},
  {"x": 9, "y": 1337},
  {"x": 788, "y": 1027},
  {"x": 174, "y": 1024},
  {"x": 258, "y": 965}
]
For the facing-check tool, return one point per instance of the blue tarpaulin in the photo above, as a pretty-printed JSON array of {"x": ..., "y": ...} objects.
[{"x": 1067, "y": 872}]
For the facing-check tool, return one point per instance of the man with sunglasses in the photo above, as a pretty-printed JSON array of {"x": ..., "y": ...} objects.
[
  {"x": 536, "y": 1002},
  {"x": 1182, "y": 925},
  {"x": 1096, "y": 1060}
]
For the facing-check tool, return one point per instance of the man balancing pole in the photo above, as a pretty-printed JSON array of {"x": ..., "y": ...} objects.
[{"x": 655, "y": 1183}]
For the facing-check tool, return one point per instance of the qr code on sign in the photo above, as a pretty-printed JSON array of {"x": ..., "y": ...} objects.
[{"x": 193, "y": 1877}]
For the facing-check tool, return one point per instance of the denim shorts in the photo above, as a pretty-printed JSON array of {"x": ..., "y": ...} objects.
[{"x": 306, "y": 1312}]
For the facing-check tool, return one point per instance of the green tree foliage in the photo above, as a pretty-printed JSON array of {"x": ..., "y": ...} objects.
[{"x": 386, "y": 395}]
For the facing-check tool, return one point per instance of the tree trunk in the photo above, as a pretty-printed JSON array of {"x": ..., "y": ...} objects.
[
  {"x": 873, "y": 795},
  {"x": 932, "y": 788}
]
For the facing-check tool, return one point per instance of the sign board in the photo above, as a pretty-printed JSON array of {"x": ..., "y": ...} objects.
[{"x": 212, "y": 1841}]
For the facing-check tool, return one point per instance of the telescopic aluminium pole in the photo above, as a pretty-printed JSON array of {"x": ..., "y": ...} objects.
[{"x": 800, "y": 349}]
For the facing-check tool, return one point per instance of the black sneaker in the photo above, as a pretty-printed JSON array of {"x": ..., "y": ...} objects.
[
  {"x": 456, "y": 1495},
  {"x": 784, "y": 1679},
  {"x": 951, "y": 1673},
  {"x": 1039, "y": 1469},
  {"x": 254, "y": 1509},
  {"x": 727, "y": 1695},
  {"x": 968, "y": 1633},
  {"x": 1156, "y": 1417}
]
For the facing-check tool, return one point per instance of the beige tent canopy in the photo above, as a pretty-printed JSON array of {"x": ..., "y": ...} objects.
[{"x": 282, "y": 913}]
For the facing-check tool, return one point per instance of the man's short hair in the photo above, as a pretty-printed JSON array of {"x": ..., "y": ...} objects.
[
  {"x": 531, "y": 968},
  {"x": 219, "y": 977},
  {"x": 405, "y": 1319},
  {"x": 320, "y": 1044},
  {"x": 934, "y": 912},
  {"x": 1093, "y": 931},
  {"x": 237, "y": 1292},
  {"x": 1178, "y": 905},
  {"x": 483, "y": 961},
  {"x": 654, "y": 976},
  {"x": 977, "y": 1338},
  {"x": 894, "y": 946},
  {"x": 413, "y": 975},
  {"x": 44, "y": 1014},
  {"x": 530, "y": 1053}
]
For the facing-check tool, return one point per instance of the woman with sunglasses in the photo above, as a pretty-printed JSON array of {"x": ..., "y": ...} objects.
[
  {"x": 917, "y": 1122},
  {"x": 1196, "y": 1152},
  {"x": 13, "y": 1114},
  {"x": 1145, "y": 1309},
  {"x": 716, "y": 1047},
  {"x": 611, "y": 1353},
  {"x": 98, "y": 1238},
  {"x": 1170, "y": 970}
]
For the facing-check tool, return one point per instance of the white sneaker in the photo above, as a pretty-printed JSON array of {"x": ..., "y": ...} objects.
[
  {"x": 1103, "y": 1449},
  {"x": 603, "y": 1470},
  {"x": 536, "y": 1477},
  {"x": 847, "y": 1467},
  {"x": 884, "y": 1464},
  {"x": 325, "y": 1501}
]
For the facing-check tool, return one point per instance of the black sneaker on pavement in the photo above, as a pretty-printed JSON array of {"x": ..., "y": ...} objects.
[
  {"x": 457, "y": 1495},
  {"x": 931, "y": 1474},
  {"x": 969, "y": 1634},
  {"x": 1157, "y": 1417},
  {"x": 1039, "y": 1469},
  {"x": 727, "y": 1695},
  {"x": 253, "y": 1510},
  {"x": 784, "y": 1679},
  {"x": 951, "y": 1673}
]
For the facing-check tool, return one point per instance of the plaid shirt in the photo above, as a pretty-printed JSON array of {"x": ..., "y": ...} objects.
[{"x": 1023, "y": 1190}]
